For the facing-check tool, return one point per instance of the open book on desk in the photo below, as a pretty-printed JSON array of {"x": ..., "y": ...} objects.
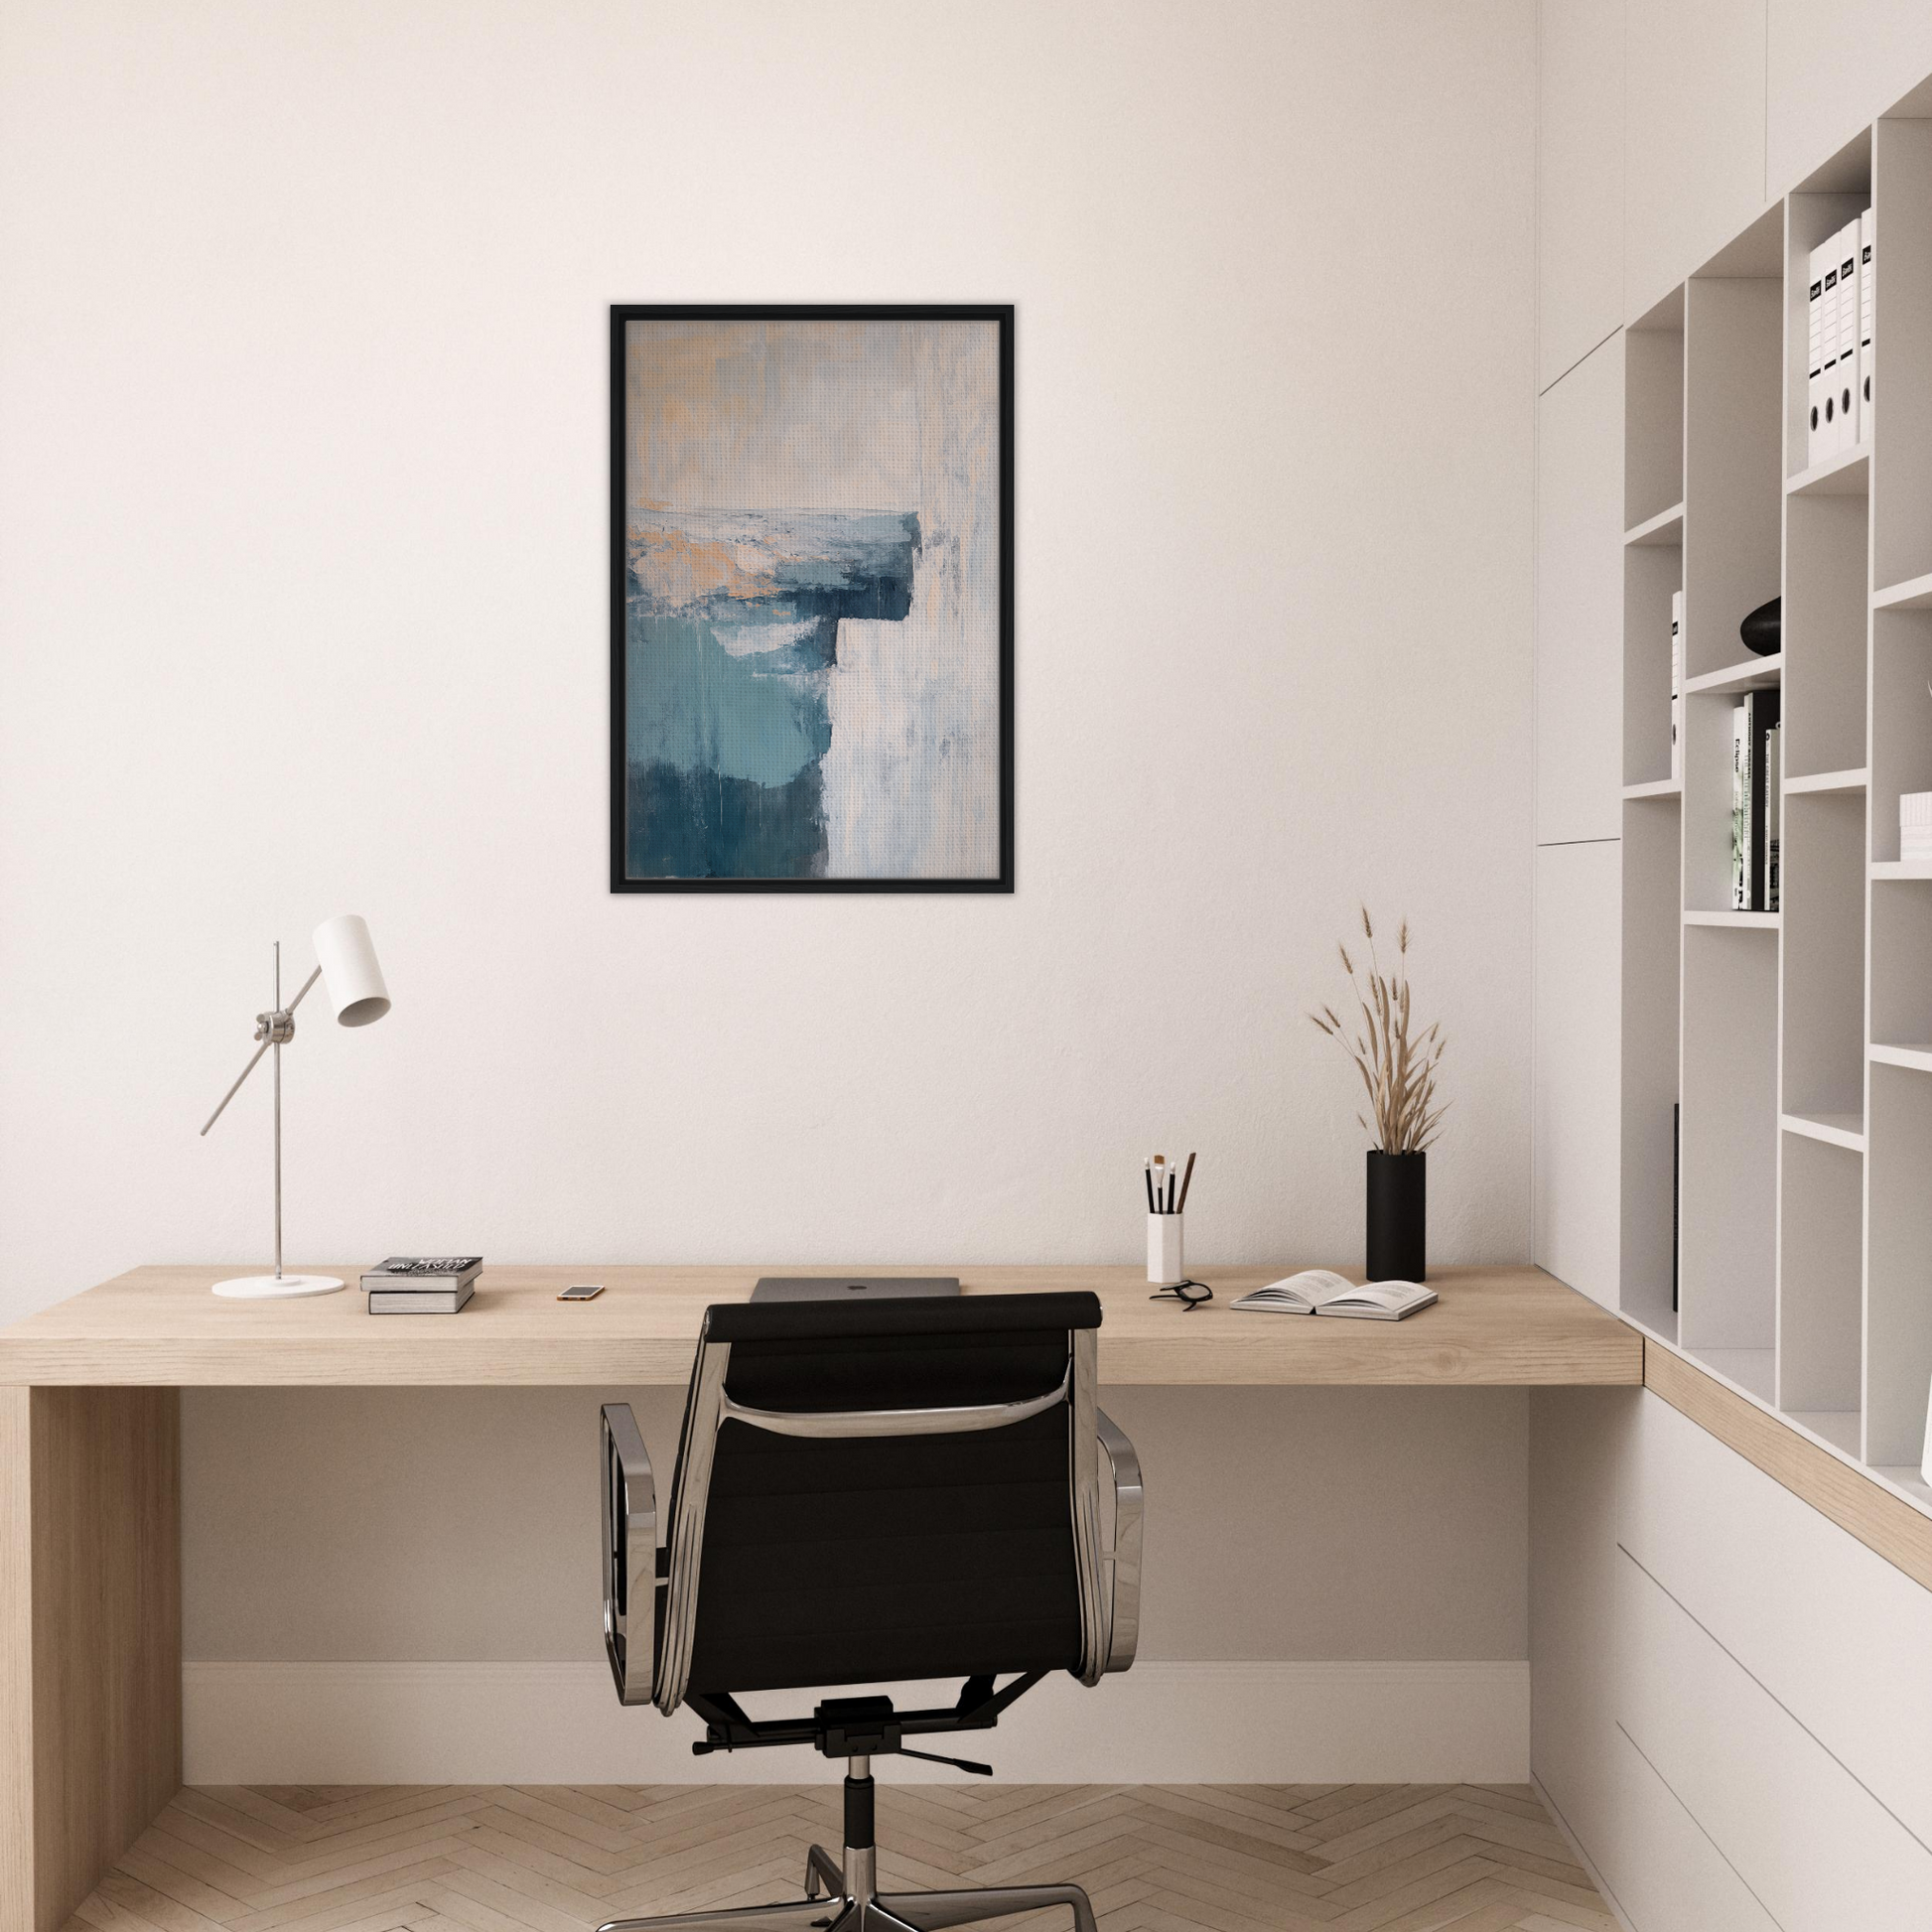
[{"x": 1320, "y": 1291}]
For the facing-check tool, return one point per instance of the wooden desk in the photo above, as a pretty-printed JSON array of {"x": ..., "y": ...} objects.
[{"x": 90, "y": 1461}]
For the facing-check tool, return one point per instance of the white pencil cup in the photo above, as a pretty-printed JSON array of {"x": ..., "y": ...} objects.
[{"x": 1164, "y": 1262}]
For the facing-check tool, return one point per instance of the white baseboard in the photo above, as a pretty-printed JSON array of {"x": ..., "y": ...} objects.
[{"x": 561, "y": 1723}]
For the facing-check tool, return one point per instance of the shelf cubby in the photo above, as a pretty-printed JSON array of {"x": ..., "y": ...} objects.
[
  {"x": 1652, "y": 951},
  {"x": 1812, "y": 214},
  {"x": 1898, "y": 1310},
  {"x": 1826, "y": 611},
  {"x": 1652, "y": 573},
  {"x": 1902, "y": 401},
  {"x": 1730, "y": 1083},
  {"x": 1902, "y": 719},
  {"x": 1901, "y": 963},
  {"x": 1706, "y": 803},
  {"x": 1734, "y": 481},
  {"x": 1821, "y": 1256},
  {"x": 1823, "y": 921},
  {"x": 1653, "y": 433}
]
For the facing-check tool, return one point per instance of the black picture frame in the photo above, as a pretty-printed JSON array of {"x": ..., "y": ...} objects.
[{"x": 624, "y": 313}]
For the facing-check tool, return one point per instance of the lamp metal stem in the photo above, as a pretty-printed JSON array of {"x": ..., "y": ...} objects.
[{"x": 278, "y": 1115}]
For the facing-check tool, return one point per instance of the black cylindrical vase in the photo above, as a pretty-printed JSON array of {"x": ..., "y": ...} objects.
[{"x": 1398, "y": 1216}]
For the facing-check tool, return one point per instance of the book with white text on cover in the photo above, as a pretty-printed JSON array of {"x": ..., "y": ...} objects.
[{"x": 419, "y": 1274}]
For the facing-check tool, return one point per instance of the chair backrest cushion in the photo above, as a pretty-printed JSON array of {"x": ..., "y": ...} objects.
[{"x": 864, "y": 1561}]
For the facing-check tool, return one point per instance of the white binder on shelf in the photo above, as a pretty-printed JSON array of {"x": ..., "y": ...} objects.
[
  {"x": 1865, "y": 302},
  {"x": 1816, "y": 446},
  {"x": 1676, "y": 686},
  {"x": 1827, "y": 436},
  {"x": 1848, "y": 335}
]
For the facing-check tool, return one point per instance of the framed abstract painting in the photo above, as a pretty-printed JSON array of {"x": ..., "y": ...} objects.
[{"x": 811, "y": 598}]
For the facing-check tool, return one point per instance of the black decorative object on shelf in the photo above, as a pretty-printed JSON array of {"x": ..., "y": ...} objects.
[
  {"x": 1763, "y": 631},
  {"x": 1398, "y": 1216}
]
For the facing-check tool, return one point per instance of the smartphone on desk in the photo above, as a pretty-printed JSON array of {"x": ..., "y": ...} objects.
[{"x": 582, "y": 1291}]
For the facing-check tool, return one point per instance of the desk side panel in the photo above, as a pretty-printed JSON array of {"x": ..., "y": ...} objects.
[
  {"x": 16, "y": 1665},
  {"x": 103, "y": 1539}
]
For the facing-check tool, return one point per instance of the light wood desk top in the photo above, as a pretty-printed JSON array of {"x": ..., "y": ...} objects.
[{"x": 160, "y": 1326}]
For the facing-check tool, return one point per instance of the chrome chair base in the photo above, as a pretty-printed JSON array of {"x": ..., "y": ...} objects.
[{"x": 858, "y": 1909}]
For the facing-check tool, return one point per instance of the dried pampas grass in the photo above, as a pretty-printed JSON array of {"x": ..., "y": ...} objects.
[{"x": 1398, "y": 1072}]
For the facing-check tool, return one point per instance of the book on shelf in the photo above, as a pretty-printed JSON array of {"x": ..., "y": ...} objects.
[
  {"x": 1825, "y": 268},
  {"x": 1815, "y": 357},
  {"x": 1846, "y": 393},
  {"x": 1773, "y": 807},
  {"x": 1320, "y": 1291},
  {"x": 1741, "y": 812},
  {"x": 1751, "y": 721},
  {"x": 1677, "y": 687},
  {"x": 420, "y": 1300},
  {"x": 1676, "y": 1193}
]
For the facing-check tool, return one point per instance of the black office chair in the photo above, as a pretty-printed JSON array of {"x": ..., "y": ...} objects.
[{"x": 866, "y": 1494}]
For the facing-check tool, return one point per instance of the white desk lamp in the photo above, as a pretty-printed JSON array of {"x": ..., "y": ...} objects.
[{"x": 346, "y": 965}]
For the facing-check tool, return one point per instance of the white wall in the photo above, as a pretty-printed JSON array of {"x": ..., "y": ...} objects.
[
  {"x": 302, "y": 478},
  {"x": 303, "y": 445}
]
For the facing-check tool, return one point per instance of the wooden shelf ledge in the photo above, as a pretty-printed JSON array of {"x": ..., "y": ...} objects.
[{"x": 1859, "y": 1498}]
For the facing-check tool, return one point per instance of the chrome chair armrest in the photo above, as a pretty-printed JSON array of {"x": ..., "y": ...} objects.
[
  {"x": 1124, "y": 1558},
  {"x": 629, "y": 1555}
]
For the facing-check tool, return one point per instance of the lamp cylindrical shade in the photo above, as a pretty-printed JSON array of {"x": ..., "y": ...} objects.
[{"x": 349, "y": 975}]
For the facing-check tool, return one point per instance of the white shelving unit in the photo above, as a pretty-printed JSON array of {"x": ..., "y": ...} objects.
[{"x": 1797, "y": 1043}]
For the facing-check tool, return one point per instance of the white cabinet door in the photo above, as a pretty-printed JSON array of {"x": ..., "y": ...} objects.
[
  {"x": 1579, "y": 180},
  {"x": 1782, "y": 1588},
  {"x": 1575, "y": 1113},
  {"x": 1815, "y": 1847},
  {"x": 1693, "y": 137},
  {"x": 1579, "y": 602},
  {"x": 1833, "y": 65}
]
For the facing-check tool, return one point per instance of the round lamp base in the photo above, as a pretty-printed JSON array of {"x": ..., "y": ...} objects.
[{"x": 276, "y": 1288}]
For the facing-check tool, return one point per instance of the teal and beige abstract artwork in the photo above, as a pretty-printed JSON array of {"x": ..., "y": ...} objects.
[{"x": 811, "y": 678}]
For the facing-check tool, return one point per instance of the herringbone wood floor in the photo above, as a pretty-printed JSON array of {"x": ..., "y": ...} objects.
[{"x": 560, "y": 1858}]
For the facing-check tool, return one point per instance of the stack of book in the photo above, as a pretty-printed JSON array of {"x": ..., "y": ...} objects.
[
  {"x": 422, "y": 1284},
  {"x": 1754, "y": 803}
]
